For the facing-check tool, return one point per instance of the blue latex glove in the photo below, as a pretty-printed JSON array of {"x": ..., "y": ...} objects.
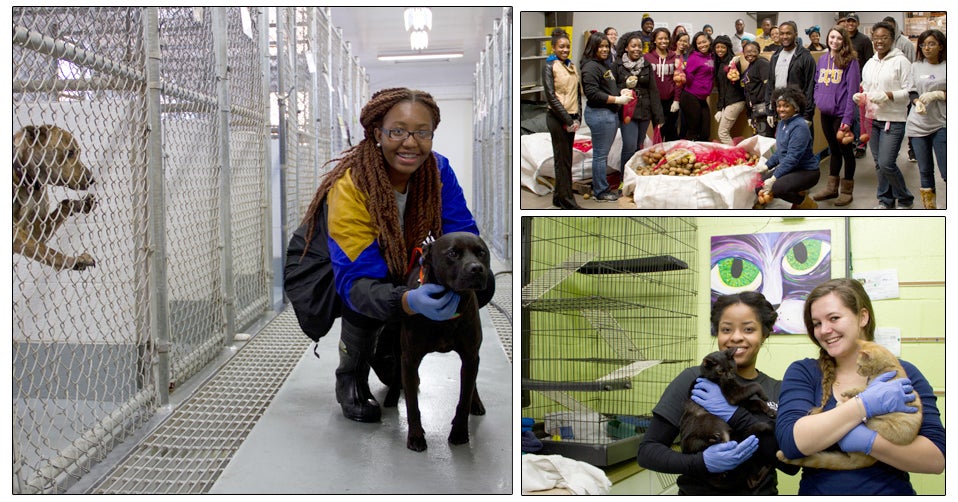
[
  {"x": 422, "y": 300},
  {"x": 724, "y": 457},
  {"x": 885, "y": 395},
  {"x": 708, "y": 395},
  {"x": 860, "y": 438}
]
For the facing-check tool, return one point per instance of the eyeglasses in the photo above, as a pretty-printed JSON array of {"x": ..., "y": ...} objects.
[
  {"x": 401, "y": 134},
  {"x": 928, "y": 45}
]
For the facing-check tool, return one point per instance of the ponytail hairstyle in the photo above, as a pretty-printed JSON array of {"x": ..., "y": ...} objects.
[
  {"x": 559, "y": 34},
  {"x": 369, "y": 172},
  {"x": 764, "y": 310}
]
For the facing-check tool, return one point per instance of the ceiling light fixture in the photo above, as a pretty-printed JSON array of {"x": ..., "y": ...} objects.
[
  {"x": 419, "y": 40},
  {"x": 419, "y": 56},
  {"x": 418, "y": 18}
]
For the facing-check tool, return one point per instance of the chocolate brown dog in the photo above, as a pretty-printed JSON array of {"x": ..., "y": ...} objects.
[
  {"x": 460, "y": 262},
  {"x": 47, "y": 155}
]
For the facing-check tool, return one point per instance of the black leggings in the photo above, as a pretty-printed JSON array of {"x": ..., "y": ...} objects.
[
  {"x": 670, "y": 129},
  {"x": 696, "y": 113},
  {"x": 790, "y": 186},
  {"x": 562, "y": 156},
  {"x": 838, "y": 151}
]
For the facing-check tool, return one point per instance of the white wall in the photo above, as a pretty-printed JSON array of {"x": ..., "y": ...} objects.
[
  {"x": 454, "y": 140},
  {"x": 722, "y": 22}
]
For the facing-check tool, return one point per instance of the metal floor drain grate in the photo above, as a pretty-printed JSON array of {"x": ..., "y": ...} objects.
[
  {"x": 500, "y": 310},
  {"x": 188, "y": 452}
]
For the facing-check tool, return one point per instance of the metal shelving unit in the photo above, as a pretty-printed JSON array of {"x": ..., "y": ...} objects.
[{"x": 608, "y": 320}]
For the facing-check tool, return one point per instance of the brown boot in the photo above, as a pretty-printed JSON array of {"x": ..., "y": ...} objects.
[
  {"x": 829, "y": 191},
  {"x": 807, "y": 203},
  {"x": 845, "y": 197},
  {"x": 928, "y": 198}
]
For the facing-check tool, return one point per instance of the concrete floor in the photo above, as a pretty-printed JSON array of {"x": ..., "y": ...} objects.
[
  {"x": 866, "y": 184},
  {"x": 303, "y": 445}
]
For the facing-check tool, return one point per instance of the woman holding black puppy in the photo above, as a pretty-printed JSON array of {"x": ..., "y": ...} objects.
[
  {"x": 742, "y": 321},
  {"x": 381, "y": 200}
]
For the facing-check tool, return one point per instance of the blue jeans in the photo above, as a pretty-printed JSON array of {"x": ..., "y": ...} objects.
[
  {"x": 885, "y": 146},
  {"x": 924, "y": 146},
  {"x": 856, "y": 124},
  {"x": 633, "y": 136},
  {"x": 603, "y": 123}
]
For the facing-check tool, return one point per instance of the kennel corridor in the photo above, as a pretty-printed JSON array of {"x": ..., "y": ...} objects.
[
  {"x": 207, "y": 130},
  {"x": 267, "y": 421}
]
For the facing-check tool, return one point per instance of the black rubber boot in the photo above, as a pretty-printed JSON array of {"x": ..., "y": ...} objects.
[{"x": 352, "y": 375}]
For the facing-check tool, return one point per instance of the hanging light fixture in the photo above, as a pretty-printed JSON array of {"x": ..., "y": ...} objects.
[
  {"x": 419, "y": 40},
  {"x": 418, "y": 23},
  {"x": 418, "y": 18}
]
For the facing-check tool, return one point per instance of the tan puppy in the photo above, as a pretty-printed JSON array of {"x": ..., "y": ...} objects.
[{"x": 47, "y": 155}]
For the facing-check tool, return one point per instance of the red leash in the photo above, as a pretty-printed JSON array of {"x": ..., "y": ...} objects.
[{"x": 412, "y": 262}]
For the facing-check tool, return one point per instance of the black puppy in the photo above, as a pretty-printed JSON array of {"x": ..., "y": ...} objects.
[{"x": 460, "y": 262}]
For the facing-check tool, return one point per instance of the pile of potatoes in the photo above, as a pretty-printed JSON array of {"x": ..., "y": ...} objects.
[{"x": 681, "y": 162}]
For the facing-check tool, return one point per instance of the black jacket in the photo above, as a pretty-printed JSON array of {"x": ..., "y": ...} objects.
[
  {"x": 755, "y": 80},
  {"x": 555, "y": 107},
  {"x": 801, "y": 73},
  {"x": 649, "y": 106},
  {"x": 598, "y": 83},
  {"x": 863, "y": 46},
  {"x": 728, "y": 92}
]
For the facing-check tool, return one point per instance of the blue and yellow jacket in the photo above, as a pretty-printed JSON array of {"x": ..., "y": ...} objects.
[{"x": 362, "y": 276}]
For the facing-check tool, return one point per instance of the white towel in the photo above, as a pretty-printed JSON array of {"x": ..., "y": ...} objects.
[{"x": 545, "y": 472}]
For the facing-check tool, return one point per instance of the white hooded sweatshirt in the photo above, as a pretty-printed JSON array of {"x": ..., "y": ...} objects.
[{"x": 889, "y": 74}]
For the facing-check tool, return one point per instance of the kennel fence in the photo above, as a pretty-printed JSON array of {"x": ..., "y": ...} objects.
[
  {"x": 608, "y": 320},
  {"x": 171, "y": 109},
  {"x": 492, "y": 138}
]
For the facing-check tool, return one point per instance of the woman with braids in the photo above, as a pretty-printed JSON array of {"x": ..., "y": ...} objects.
[
  {"x": 837, "y": 314},
  {"x": 380, "y": 201}
]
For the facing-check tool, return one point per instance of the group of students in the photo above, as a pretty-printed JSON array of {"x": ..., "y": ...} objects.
[
  {"x": 660, "y": 78},
  {"x": 837, "y": 314}
]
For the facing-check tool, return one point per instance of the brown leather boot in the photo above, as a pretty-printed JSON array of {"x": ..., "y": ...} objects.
[
  {"x": 807, "y": 203},
  {"x": 928, "y": 198},
  {"x": 829, "y": 191},
  {"x": 845, "y": 197}
]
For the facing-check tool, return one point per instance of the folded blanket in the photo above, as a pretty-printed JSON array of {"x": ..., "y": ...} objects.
[{"x": 545, "y": 472}]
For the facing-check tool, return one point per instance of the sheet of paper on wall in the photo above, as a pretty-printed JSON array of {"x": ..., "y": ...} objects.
[
  {"x": 879, "y": 284},
  {"x": 890, "y": 338}
]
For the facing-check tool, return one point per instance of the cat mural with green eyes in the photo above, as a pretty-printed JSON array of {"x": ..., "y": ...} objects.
[{"x": 783, "y": 266}]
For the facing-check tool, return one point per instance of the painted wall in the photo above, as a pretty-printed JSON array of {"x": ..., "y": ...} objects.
[
  {"x": 913, "y": 246},
  {"x": 454, "y": 140},
  {"x": 722, "y": 22}
]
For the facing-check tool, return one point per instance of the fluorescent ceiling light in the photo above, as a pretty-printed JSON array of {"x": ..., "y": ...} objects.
[{"x": 419, "y": 56}]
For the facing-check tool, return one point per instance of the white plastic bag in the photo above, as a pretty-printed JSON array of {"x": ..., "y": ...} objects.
[{"x": 729, "y": 188}]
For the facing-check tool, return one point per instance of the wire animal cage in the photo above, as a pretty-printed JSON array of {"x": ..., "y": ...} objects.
[{"x": 608, "y": 320}]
